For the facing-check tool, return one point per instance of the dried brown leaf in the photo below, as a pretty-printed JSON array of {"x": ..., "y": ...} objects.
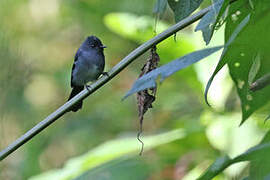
[{"x": 146, "y": 97}]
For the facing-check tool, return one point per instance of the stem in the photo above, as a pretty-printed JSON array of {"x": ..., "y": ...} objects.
[
  {"x": 260, "y": 83},
  {"x": 99, "y": 83}
]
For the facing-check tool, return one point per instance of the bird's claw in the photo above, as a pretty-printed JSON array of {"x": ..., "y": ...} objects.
[
  {"x": 88, "y": 87},
  {"x": 105, "y": 74}
]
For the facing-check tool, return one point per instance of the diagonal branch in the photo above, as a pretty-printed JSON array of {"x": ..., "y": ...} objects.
[{"x": 104, "y": 79}]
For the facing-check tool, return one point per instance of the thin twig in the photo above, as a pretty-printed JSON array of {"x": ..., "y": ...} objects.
[
  {"x": 104, "y": 79},
  {"x": 139, "y": 137},
  {"x": 260, "y": 83}
]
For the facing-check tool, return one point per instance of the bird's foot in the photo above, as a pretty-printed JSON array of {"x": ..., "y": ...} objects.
[
  {"x": 88, "y": 87},
  {"x": 105, "y": 74}
]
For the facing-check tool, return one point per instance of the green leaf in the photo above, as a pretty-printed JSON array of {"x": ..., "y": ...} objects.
[
  {"x": 254, "y": 69},
  {"x": 259, "y": 161},
  {"x": 131, "y": 168},
  {"x": 251, "y": 4},
  {"x": 160, "y": 7},
  {"x": 183, "y": 8},
  {"x": 218, "y": 166},
  {"x": 252, "y": 41},
  {"x": 267, "y": 118},
  {"x": 207, "y": 23},
  {"x": 255, "y": 154},
  {"x": 223, "y": 60},
  {"x": 149, "y": 80},
  {"x": 131, "y": 26},
  {"x": 107, "y": 152}
]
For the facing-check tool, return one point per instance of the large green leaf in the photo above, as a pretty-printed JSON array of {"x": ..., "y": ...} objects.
[
  {"x": 107, "y": 152},
  {"x": 251, "y": 46},
  {"x": 120, "y": 169},
  {"x": 243, "y": 51},
  {"x": 223, "y": 60},
  {"x": 131, "y": 26},
  {"x": 183, "y": 8}
]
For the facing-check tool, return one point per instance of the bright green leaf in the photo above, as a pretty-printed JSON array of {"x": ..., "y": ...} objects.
[
  {"x": 223, "y": 60},
  {"x": 252, "y": 41},
  {"x": 138, "y": 28},
  {"x": 131, "y": 168},
  {"x": 107, "y": 152}
]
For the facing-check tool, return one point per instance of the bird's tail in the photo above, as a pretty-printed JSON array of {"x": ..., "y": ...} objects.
[{"x": 76, "y": 90}]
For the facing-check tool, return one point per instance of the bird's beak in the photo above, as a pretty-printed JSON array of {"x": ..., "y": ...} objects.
[{"x": 103, "y": 47}]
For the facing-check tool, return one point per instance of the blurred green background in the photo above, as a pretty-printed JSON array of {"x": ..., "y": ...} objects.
[{"x": 38, "y": 40}]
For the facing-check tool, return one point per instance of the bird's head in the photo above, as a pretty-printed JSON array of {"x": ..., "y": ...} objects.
[{"x": 93, "y": 42}]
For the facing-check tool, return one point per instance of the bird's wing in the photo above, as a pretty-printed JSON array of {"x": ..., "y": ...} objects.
[{"x": 73, "y": 67}]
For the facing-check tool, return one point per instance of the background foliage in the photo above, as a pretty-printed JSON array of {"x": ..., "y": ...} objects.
[{"x": 38, "y": 40}]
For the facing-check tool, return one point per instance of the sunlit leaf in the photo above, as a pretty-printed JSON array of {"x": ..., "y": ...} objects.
[
  {"x": 149, "y": 80},
  {"x": 138, "y": 28},
  {"x": 131, "y": 168},
  {"x": 222, "y": 125},
  {"x": 107, "y": 152}
]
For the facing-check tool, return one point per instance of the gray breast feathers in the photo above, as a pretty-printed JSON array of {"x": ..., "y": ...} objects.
[{"x": 88, "y": 67}]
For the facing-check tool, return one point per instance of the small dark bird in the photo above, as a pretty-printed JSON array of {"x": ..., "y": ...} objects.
[{"x": 88, "y": 65}]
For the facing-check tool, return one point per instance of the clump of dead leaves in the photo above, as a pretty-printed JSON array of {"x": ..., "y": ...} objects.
[{"x": 146, "y": 97}]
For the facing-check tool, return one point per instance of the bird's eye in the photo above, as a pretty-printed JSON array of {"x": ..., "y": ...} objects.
[{"x": 92, "y": 45}]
